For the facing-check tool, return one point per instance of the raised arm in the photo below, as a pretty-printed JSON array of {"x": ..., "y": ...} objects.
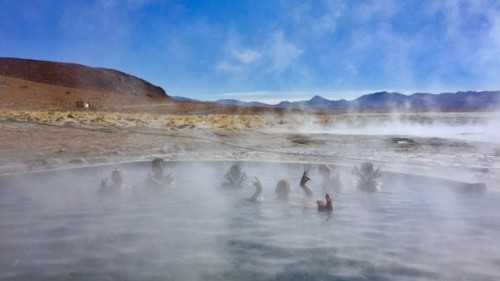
[
  {"x": 258, "y": 190},
  {"x": 303, "y": 182},
  {"x": 104, "y": 187}
]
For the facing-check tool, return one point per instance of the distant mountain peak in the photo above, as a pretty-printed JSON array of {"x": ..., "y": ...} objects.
[
  {"x": 317, "y": 98},
  {"x": 394, "y": 100}
]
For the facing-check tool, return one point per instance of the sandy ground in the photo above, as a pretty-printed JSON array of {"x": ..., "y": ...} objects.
[{"x": 39, "y": 140}]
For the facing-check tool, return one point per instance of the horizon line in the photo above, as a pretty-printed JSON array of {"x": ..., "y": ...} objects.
[{"x": 250, "y": 97}]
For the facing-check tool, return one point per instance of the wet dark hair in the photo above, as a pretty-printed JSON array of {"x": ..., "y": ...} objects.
[
  {"x": 366, "y": 167},
  {"x": 117, "y": 175},
  {"x": 235, "y": 169},
  {"x": 282, "y": 187},
  {"x": 158, "y": 163}
]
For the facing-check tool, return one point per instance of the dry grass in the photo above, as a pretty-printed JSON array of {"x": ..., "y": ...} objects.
[
  {"x": 159, "y": 121},
  {"x": 169, "y": 122},
  {"x": 216, "y": 121}
]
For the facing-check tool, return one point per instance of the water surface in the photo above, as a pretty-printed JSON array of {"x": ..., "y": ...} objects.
[{"x": 55, "y": 227}]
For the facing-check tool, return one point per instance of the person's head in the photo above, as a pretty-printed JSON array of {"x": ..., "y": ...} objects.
[
  {"x": 366, "y": 167},
  {"x": 282, "y": 189},
  {"x": 324, "y": 171},
  {"x": 158, "y": 165},
  {"x": 235, "y": 171},
  {"x": 117, "y": 176},
  {"x": 327, "y": 197}
]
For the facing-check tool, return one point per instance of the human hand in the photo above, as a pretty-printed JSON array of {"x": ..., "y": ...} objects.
[{"x": 304, "y": 178}]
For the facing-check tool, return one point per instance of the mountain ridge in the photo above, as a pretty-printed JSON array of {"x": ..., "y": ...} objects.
[{"x": 393, "y": 100}]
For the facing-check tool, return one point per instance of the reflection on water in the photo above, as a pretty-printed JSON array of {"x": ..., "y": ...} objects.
[{"x": 56, "y": 228}]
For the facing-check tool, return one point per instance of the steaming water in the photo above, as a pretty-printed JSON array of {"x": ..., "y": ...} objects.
[
  {"x": 472, "y": 126},
  {"x": 55, "y": 227}
]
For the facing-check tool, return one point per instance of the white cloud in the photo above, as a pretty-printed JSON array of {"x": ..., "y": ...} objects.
[
  {"x": 228, "y": 67},
  {"x": 246, "y": 56},
  {"x": 491, "y": 51},
  {"x": 237, "y": 57},
  {"x": 472, "y": 34},
  {"x": 238, "y": 60},
  {"x": 282, "y": 53},
  {"x": 315, "y": 17},
  {"x": 454, "y": 43},
  {"x": 489, "y": 54},
  {"x": 397, "y": 63},
  {"x": 272, "y": 56}
]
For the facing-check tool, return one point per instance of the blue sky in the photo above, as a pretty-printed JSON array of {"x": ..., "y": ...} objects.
[{"x": 267, "y": 50}]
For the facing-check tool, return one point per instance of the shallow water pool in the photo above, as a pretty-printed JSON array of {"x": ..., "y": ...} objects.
[{"x": 54, "y": 226}]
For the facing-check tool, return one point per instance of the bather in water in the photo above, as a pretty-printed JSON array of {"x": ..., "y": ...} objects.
[
  {"x": 236, "y": 178},
  {"x": 282, "y": 189},
  {"x": 322, "y": 206},
  {"x": 331, "y": 179},
  {"x": 114, "y": 188},
  {"x": 325, "y": 206},
  {"x": 158, "y": 179},
  {"x": 367, "y": 177},
  {"x": 258, "y": 190}
]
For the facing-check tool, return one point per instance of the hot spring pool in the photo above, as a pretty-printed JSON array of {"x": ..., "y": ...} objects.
[{"x": 53, "y": 226}]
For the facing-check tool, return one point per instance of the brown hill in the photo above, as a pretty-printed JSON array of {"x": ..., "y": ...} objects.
[
  {"x": 79, "y": 77},
  {"x": 22, "y": 94}
]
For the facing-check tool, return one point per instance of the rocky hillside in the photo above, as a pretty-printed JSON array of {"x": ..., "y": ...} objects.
[{"x": 79, "y": 77}]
